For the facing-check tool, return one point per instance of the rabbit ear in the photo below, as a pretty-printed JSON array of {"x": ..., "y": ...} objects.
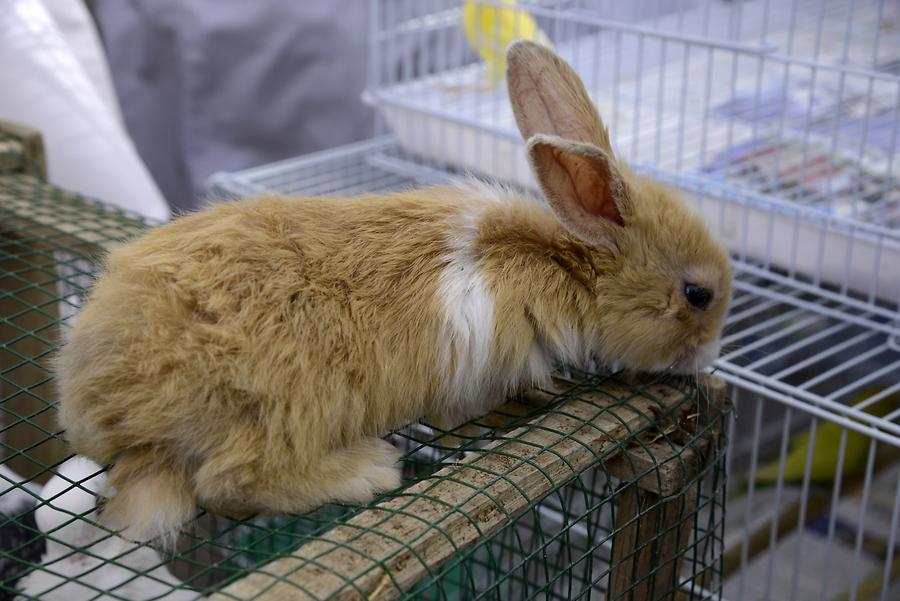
[
  {"x": 582, "y": 185},
  {"x": 548, "y": 97}
]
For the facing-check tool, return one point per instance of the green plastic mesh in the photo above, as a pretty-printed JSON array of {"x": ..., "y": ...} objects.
[{"x": 599, "y": 487}]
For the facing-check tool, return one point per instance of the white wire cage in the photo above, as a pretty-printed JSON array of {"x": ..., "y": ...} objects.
[{"x": 779, "y": 119}]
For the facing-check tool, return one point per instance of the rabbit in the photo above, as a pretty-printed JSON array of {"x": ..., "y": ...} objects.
[{"x": 248, "y": 358}]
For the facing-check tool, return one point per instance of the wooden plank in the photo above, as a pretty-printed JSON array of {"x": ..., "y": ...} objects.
[
  {"x": 30, "y": 205},
  {"x": 394, "y": 545},
  {"x": 660, "y": 467},
  {"x": 666, "y": 460},
  {"x": 62, "y": 220},
  {"x": 22, "y": 150}
]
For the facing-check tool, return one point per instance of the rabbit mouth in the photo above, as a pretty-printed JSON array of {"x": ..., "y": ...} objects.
[
  {"x": 683, "y": 365},
  {"x": 696, "y": 359}
]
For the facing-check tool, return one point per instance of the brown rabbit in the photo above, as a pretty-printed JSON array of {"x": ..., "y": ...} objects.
[{"x": 248, "y": 358}]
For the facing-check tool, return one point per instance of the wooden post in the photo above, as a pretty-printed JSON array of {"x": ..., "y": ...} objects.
[
  {"x": 656, "y": 511},
  {"x": 652, "y": 533}
]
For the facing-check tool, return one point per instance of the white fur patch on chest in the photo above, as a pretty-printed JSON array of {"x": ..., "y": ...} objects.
[
  {"x": 468, "y": 328},
  {"x": 467, "y": 337},
  {"x": 473, "y": 379}
]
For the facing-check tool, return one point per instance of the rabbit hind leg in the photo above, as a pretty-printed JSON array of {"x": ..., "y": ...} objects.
[
  {"x": 356, "y": 474},
  {"x": 353, "y": 474}
]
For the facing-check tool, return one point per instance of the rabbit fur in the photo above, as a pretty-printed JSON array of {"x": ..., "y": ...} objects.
[{"x": 249, "y": 357}]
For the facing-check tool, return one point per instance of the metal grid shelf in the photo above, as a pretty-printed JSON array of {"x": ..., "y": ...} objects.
[
  {"x": 334, "y": 172},
  {"x": 805, "y": 358},
  {"x": 776, "y": 331}
]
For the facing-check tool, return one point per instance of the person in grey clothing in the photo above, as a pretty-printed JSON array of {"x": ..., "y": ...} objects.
[{"x": 220, "y": 86}]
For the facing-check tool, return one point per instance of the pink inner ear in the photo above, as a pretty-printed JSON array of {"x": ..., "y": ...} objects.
[{"x": 595, "y": 188}]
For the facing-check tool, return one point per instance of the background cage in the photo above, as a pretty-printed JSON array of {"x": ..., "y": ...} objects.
[
  {"x": 779, "y": 120},
  {"x": 595, "y": 487}
]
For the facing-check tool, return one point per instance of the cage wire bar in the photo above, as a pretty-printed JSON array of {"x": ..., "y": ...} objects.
[
  {"x": 779, "y": 120},
  {"x": 598, "y": 486}
]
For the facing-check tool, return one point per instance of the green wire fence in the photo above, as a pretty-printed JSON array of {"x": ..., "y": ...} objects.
[{"x": 599, "y": 486}]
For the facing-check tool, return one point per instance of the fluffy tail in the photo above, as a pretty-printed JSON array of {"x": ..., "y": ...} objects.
[{"x": 150, "y": 498}]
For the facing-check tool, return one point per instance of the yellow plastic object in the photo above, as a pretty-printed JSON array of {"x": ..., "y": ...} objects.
[{"x": 826, "y": 448}]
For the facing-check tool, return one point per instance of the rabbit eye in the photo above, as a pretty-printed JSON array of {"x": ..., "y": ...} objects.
[{"x": 697, "y": 295}]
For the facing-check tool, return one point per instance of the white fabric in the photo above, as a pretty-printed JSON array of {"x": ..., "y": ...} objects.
[
  {"x": 76, "y": 26},
  {"x": 44, "y": 85}
]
